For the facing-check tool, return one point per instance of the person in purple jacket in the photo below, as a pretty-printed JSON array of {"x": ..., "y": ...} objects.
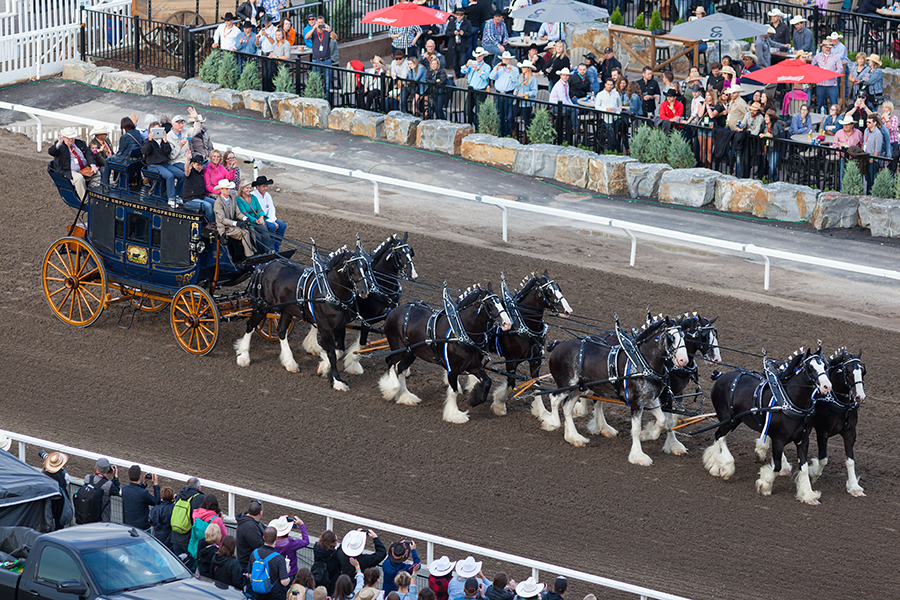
[
  {"x": 286, "y": 545},
  {"x": 398, "y": 553}
]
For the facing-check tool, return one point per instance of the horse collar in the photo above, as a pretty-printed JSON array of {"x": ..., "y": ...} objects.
[
  {"x": 457, "y": 327},
  {"x": 325, "y": 285},
  {"x": 511, "y": 303},
  {"x": 633, "y": 353},
  {"x": 780, "y": 397}
]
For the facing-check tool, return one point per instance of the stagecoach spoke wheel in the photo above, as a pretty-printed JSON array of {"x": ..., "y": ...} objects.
[
  {"x": 195, "y": 320},
  {"x": 269, "y": 327},
  {"x": 145, "y": 303},
  {"x": 74, "y": 281}
]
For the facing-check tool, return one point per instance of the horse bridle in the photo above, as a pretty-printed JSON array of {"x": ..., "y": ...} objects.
[
  {"x": 396, "y": 258},
  {"x": 550, "y": 293},
  {"x": 364, "y": 269},
  {"x": 806, "y": 364},
  {"x": 703, "y": 336},
  {"x": 847, "y": 370},
  {"x": 669, "y": 345}
]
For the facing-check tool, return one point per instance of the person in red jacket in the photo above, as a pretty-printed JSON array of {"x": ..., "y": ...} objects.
[{"x": 671, "y": 109}]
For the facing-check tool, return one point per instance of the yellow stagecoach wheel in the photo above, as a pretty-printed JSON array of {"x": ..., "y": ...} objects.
[
  {"x": 146, "y": 304},
  {"x": 74, "y": 281},
  {"x": 195, "y": 320},
  {"x": 269, "y": 327}
]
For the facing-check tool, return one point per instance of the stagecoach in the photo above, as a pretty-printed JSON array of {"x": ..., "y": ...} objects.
[{"x": 127, "y": 246}]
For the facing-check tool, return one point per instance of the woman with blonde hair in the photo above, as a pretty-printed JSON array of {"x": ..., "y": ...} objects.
[
  {"x": 891, "y": 122},
  {"x": 214, "y": 172},
  {"x": 372, "y": 85},
  {"x": 558, "y": 61},
  {"x": 207, "y": 549}
]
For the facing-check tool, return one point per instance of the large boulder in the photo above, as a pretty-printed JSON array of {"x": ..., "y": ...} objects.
[
  {"x": 367, "y": 123},
  {"x": 442, "y": 136},
  {"x": 537, "y": 160},
  {"x": 573, "y": 166},
  {"x": 785, "y": 202},
  {"x": 276, "y": 101},
  {"x": 835, "y": 210},
  {"x": 197, "y": 92},
  {"x": 490, "y": 150},
  {"x": 881, "y": 216},
  {"x": 76, "y": 70},
  {"x": 688, "y": 187},
  {"x": 128, "y": 82},
  {"x": 340, "y": 118},
  {"x": 226, "y": 98},
  {"x": 95, "y": 75},
  {"x": 606, "y": 174},
  {"x": 642, "y": 179},
  {"x": 168, "y": 87},
  {"x": 307, "y": 112},
  {"x": 736, "y": 195},
  {"x": 400, "y": 128},
  {"x": 258, "y": 101}
]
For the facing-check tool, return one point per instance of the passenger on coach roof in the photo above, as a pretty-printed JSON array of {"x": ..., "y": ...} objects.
[
  {"x": 215, "y": 171},
  {"x": 249, "y": 533},
  {"x": 130, "y": 143},
  {"x": 194, "y": 194},
  {"x": 198, "y": 134}
]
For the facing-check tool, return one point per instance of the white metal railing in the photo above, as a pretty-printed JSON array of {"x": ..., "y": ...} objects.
[
  {"x": 37, "y": 37},
  {"x": 333, "y": 515},
  {"x": 503, "y": 204}
]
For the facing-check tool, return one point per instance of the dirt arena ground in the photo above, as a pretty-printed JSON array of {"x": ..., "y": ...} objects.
[{"x": 498, "y": 482}]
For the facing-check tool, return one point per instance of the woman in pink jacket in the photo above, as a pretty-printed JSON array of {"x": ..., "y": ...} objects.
[
  {"x": 215, "y": 171},
  {"x": 203, "y": 517}
]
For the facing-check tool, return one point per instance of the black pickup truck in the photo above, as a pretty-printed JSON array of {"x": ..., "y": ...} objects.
[{"x": 104, "y": 561}]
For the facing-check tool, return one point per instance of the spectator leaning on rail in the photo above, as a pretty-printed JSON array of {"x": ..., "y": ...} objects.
[
  {"x": 53, "y": 467},
  {"x": 288, "y": 546},
  {"x": 73, "y": 160},
  {"x": 207, "y": 514},
  {"x": 188, "y": 500},
  {"x": 106, "y": 477},
  {"x": 502, "y": 588},
  {"x": 352, "y": 546},
  {"x": 137, "y": 501},
  {"x": 559, "y": 588},
  {"x": 320, "y": 45},
  {"x": 277, "y": 568},
  {"x": 249, "y": 533},
  {"x": 226, "y": 34},
  {"x": 397, "y": 555},
  {"x": 529, "y": 589},
  {"x": 207, "y": 549},
  {"x": 161, "y": 517}
]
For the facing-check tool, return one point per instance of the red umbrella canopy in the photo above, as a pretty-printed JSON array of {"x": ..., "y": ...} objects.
[
  {"x": 406, "y": 14},
  {"x": 792, "y": 71}
]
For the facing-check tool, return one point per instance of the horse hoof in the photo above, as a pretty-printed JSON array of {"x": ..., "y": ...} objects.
[
  {"x": 609, "y": 432},
  {"x": 648, "y": 435},
  {"x": 763, "y": 488},
  {"x": 577, "y": 440},
  {"x": 857, "y": 493},
  {"x": 458, "y": 419},
  {"x": 243, "y": 361},
  {"x": 408, "y": 399},
  {"x": 340, "y": 386},
  {"x": 499, "y": 409},
  {"x": 642, "y": 460},
  {"x": 353, "y": 369},
  {"x": 784, "y": 473},
  {"x": 682, "y": 451},
  {"x": 294, "y": 368},
  {"x": 813, "y": 502},
  {"x": 548, "y": 426}
]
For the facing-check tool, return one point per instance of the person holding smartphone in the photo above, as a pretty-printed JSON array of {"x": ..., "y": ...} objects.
[{"x": 156, "y": 151}]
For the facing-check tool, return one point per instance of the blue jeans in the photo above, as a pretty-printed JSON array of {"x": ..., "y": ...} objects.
[
  {"x": 495, "y": 51},
  {"x": 505, "y": 111},
  {"x": 826, "y": 95},
  {"x": 206, "y": 205},
  {"x": 772, "y": 160},
  {"x": 326, "y": 75},
  {"x": 170, "y": 173},
  {"x": 276, "y": 232}
]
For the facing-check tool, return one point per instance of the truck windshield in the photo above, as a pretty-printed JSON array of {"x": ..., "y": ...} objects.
[{"x": 140, "y": 563}]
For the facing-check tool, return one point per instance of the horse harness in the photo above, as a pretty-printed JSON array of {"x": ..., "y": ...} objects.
[
  {"x": 831, "y": 400},
  {"x": 519, "y": 327}
]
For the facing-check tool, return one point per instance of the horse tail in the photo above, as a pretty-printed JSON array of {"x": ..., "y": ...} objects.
[
  {"x": 552, "y": 345},
  {"x": 716, "y": 374}
]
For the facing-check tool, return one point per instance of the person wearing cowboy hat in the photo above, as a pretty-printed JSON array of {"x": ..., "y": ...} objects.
[
  {"x": 466, "y": 569},
  {"x": 505, "y": 78},
  {"x": 440, "y": 573},
  {"x": 672, "y": 109},
  {"x": 352, "y": 545},
  {"x": 763, "y": 45},
  {"x": 827, "y": 91},
  {"x": 593, "y": 75},
  {"x": 802, "y": 38},
  {"x": 230, "y": 221},
  {"x": 753, "y": 122},
  {"x": 699, "y": 13},
  {"x": 276, "y": 227},
  {"x": 478, "y": 76},
  {"x": 396, "y": 563},
  {"x": 737, "y": 113},
  {"x": 5, "y": 442},
  {"x": 286, "y": 545},
  {"x": 848, "y": 135},
  {"x": 782, "y": 35},
  {"x": 99, "y": 135},
  {"x": 609, "y": 63},
  {"x": 459, "y": 40},
  {"x": 53, "y": 467},
  {"x": 226, "y": 34},
  {"x": 494, "y": 36},
  {"x": 840, "y": 50},
  {"x": 875, "y": 82},
  {"x": 526, "y": 89},
  {"x": 529, "y": 589},
  {"x": 73, "y": 160}
]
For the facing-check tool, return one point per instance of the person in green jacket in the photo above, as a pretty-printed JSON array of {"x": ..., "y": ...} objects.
[{"x": 250, "y": 206}]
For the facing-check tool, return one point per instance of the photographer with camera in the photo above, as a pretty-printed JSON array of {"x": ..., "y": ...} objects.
[
  {"x": 285, "y": 544},
  {"x": 53, "y": 467},
  {"x": 352, "y": 545},
  {"x": 398, "y": 554},
  {"x": 137, "y": 501},
  {"x": 96, "y": 506}
]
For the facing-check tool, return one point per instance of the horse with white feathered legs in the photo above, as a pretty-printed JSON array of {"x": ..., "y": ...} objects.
[
  {"x": 455, "y": 337},
  {"x": 388, "y": 263},
  {"x": 777, "y": 403},
  {"x": 634, "y": 370}
]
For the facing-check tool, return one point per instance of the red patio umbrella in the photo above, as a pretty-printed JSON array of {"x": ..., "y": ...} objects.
[
  {"x": 791, "y": 71},
  {"x": 406, "y": 14}
]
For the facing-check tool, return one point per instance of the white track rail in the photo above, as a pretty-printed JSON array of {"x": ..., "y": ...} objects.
[{"x": 504, "y": 205}]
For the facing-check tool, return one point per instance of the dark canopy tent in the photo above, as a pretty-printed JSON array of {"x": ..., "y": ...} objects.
[{"x": 25, "y": 495}]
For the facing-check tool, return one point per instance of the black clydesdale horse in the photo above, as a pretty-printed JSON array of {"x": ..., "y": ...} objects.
[
  {"x": 389, "y": 262},
  {"x": 323, "y": 295},
  {"x": 779, "y": 405},
  {"x": 638, "y": 377},
  {"x": 455, "y": 338},
  {"x": 525, "y": 340}
]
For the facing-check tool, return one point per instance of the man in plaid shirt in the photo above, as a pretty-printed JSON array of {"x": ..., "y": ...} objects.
[
  {"x": 271, "y": 7},
  {"x": 404, "y": 38},
  {"x": 494, "y": 35}
]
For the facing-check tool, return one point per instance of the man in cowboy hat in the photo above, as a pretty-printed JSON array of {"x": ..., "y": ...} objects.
[
  {"x": 782, "y": 35},
  {"x": 840, "y": 50},
  {"x": 230, "y": 221},
  {"x": 827, "y": 91},
  {"x": 529, "y": 589},
  {"x": 763, "y": 46},
  {"x": 505, "y": 78},
  {"x": 848, "y": 135},
  {"x": 439, "y": 576},
  {"x": 609, "y": 63},
  {"x": 286, "y": 545},
  {"x": 466, "y": 569},
  {"x": 352, "y": 546},
  {"x": 99, "y": 136},
  {"x": 54, "y": 468},
  {"x": 459, "y": 39},
  {"x": 737, "y": 113},
  {"x": 137, "y": 501},
  {"x": 397, "y": 556},
  {"x": 803, "y": 36},
  {"x": 276, "y": 227},
  {"x": 73, "y": 160},
  {"x": 494, "y": 36},
  {"x": 478, "y": 74},
  {"x": 226, "y": 34}
]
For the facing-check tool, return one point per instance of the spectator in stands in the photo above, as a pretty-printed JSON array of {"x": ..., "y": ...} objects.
[
  {"x": 466, "y": 569},
  {"x": 560, "y": 585},
  {"x": 635, "y": 101},
  {"x": 608, "y": 99},
  {"x": 558, "y": 61},
  {"x": 405, "y": 585},
  {"x": 801, "y": 122},
  {"x": 326, "y": 567},
  {"x": 404, "y": 39},
  {"x": 276, "y": 227},
  {"x": 249, "y": 533},
  {"x": 473, "y": 588},
  {"x": 729, "y": 78},
  {"x": 650, "y": 92},
  {"x": 506, "y": 79},
  {"x": 397, "y": 555},
  {"x": 552, "y": 32},
  {"x": 802, "y": 38},
  {"x": 536, "y": 58},
  {"x": 372, "y": 85},
  {"x": 207, "y": 550},
  {"x": 771, "y": 131},
  {"x": 343, "y": 588},
  {"x": 526, "y": 89},
  {"x": 412, "y": 92},
  {"x": 841, "y": 50},
  {"x": 668, "y": 81},
  {"x": 73, "y": 160},
  {"x": 192, "y": 494},
  {"x": 106, "y": 477},
  {"x": 288, "y": 546},
  {"x": 872, "y": 145},
  {"x": 440, "y": 573},
  {"x": 859, "y": 73},
  {"x": 698, "y": 105},
  {"x": 371, "y": 583},
  {"x": 430, "y": 52},
  {"x": 198, "y": 134},
  {"x": 320, "y": 45},
  {"x": 891, "y": 122},
  {"x": 251, "y": 12},
  {"x": 352, "y": 545},
  {"x": 712, "y": 117},
  {"x": 782, "y": 35},
  {"x": 249, "y": 205},
  {"x": 671, "y": 109},
  {"x": 271, "y": 7},
  {"x": 207, "y": 514},
  {"x": 827, "y": 91},
  {"x": 246, "y": 40},
  {"x": 609, "y": 63},
  {"x": 302, "y": 586},
  {"x": 579, "y": 86},
  {"x": 832, "y": 123},
  {"x": 763, "y": 46},
  {"x": 753, "y": 122},
  {"x": 290, "y": 34},
  {"x": 226, "y": 567},
  {"x": 54, "y": 468},
  {"x": 529, "y": 589},
  {"x": 310, "y": 25},
  {"x": 560, "y": 94},
  {"x": 226, "y": 34},
  {"x": 874, "y": 82},
  {"x": 282, "y": 48},
  {"x": 477, "y": 74},
  {"x": 848, "y": 135},
  {"x": 161, "y": 517},
  {"x": 137, "y": 501},
  {"x": 277, "y": 567},
  {"x": 435, "y": 93},
  {"x": 459, "y": 40},
  {"x": 715, "y": 80},
  {"x": 502, "y": 588},
  {"x": 215, "y": 171},
  {"x": 590, "y": 62},
  {"x": 494, "y": 36}
]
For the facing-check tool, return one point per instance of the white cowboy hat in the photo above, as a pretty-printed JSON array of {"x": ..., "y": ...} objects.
[
  {"x": 529, "y": 588},
  {"x": 282, "y": 526},
  {"x": 835, "y": 36},
  {"x": 69, "y": 132},
  {"x": 99, "y": 130},
  {"x": 526, "y": 64},
  {"x": 798, "y": 19},
  {"x": 771, "y": 30},
  {"x": 735, "y": 88},
  {"x": 564, "y": 71},
  {"x": 776, "y": 12},
  {"x": 353, "y": 543},
  {"x": 468, "y": 567},
  {"x": 848, "y": 120},
  {"x": 5, "y": 442},
  {"x": 441, "y": 566},
  {"x": 224, "y": 184},
  {"x": 506, "y": 54},
  {"x": 727, "y": 69},
  {"x": 479, "y": 51}
]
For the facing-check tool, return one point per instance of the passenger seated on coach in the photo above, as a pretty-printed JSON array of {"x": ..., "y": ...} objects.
[
  {"x": 156, "y": 151},
  {"x": 194, "y": 195},
  {"x": 230, "y": 221},
  {"x": 249, "y": 205},
  {"x": 130, "y": 143}
]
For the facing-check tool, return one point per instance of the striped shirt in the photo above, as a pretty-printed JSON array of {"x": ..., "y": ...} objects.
[{"x": 407, "y": 36}]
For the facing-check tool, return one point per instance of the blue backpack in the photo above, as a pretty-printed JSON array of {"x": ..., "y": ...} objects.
[{"x": 260, "y": 579}]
